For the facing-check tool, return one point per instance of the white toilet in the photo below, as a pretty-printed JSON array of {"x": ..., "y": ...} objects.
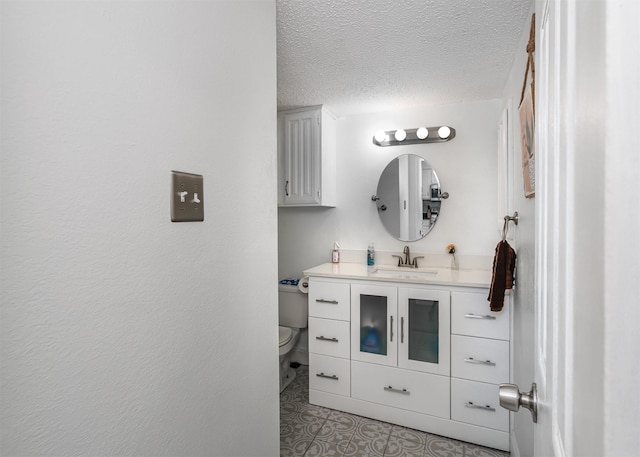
[{"x": 293, "y": 315}]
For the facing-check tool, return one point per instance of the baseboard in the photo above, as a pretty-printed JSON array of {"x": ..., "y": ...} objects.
[{"x": 515, "y": 450}]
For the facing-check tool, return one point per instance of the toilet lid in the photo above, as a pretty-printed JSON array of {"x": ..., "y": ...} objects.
[{"x": 284, "y": 334}]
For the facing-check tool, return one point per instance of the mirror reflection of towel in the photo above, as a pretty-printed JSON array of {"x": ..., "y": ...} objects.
[{"x": 504, "y": 264}]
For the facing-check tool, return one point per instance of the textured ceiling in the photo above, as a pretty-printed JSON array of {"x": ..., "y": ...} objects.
[{"x": 371, "y": 55}]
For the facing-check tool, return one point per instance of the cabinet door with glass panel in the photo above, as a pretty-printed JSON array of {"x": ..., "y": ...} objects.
[
  {"x": 424, "y": 317},
  {"x": 374, "y": 335}
]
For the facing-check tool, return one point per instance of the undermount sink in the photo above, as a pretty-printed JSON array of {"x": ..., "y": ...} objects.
[{"x": 390, "y": 271}]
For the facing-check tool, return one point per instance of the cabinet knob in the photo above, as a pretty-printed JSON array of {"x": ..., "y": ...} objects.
[
  {"x": 471, "y": 404},
  {"x": 399, "y": 391},
  {"x": 476, "y": 316},
  {"x": 481, "y": 362},
  {"x": 332, "y": 377}
]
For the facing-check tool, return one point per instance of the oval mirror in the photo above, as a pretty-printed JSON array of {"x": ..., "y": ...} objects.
[{"x": 408, "y": 197}]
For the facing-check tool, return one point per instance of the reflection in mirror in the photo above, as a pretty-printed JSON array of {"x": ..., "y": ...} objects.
[{"x": 408, "y": 197}]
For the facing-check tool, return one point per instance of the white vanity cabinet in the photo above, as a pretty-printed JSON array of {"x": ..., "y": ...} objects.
[
  {"x": 373, "y": 329},
  {"x": 424, "y": 319},
  {"x": 480, "y": 359},
  {"x": 401, "y": 326},
  {"x": 400, "y": 347},
  {"x": 424, "y": 356},
  {"x": 329, "y": 336},
  {"x": 307, "y": 157}
]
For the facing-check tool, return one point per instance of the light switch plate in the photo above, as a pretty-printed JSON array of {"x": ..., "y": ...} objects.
[{"x": 187, "y": 197}]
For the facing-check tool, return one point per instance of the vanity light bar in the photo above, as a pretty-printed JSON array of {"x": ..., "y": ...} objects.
[{"x": 414, "y": 136}]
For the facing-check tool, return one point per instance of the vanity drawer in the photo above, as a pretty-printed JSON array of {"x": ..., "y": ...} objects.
[
  {"x": 470, "y": 315},
  {"x": 421, "y": 392},
  {"x": 479, "y": 359},
  {"x": 329, "y": 374},
  {"x": 329, "y": 300},
  {"x": 478, "y": 403},
  {"x": 329, "y": 337}
]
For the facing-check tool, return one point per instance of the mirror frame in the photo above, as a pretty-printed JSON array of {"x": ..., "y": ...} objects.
[{"x": 408, "y": 197}]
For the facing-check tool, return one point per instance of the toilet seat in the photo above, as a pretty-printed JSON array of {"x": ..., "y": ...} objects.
[{"x": 284, "y": 335}]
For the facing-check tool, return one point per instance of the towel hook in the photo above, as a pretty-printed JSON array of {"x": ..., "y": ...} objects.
[
  {"x": 513, "y": 218},
  {"x": 505, "y": 227}
]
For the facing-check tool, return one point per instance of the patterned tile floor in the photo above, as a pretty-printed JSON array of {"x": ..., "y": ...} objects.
[{"x": 309, "y": 430}]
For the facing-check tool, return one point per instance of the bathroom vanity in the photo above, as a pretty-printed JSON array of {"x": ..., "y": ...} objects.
[{"x": 414, "y": 347}]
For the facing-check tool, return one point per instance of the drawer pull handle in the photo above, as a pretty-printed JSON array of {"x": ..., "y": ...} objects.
[
  {"x": 391, "y": 327},
  {"x": 481, "y": 362},
  {"x": 324, "y": 338},
  {"x": 400, "y": 391},
  {"x": 331, "y": 302},
  {"x": 484, "y": 408},
  {"x": 477, "y": 316},
  {"x": 402, "y": 329},
  {"x": 322, "y": 375}
]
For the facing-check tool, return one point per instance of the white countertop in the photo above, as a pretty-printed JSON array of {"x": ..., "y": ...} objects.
[{"x": 390, "y": 273}]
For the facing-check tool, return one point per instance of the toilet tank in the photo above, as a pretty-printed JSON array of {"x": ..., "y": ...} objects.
[{"x": 293, "y": 310}]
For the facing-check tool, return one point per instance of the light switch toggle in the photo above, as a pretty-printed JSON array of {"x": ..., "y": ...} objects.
[{"x": 187, "y": 197}]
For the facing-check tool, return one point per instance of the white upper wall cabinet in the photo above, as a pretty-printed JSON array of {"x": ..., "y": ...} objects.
[{"x": 307, "y": 157}]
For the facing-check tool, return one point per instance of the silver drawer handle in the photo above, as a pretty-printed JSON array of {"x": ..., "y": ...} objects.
[
  {"x": 481, "y": 362},
  {"x": 331, "y": 302},
  {"x": 484, "y": 408},
  {"x": 324, "y": 338},
  {"x": 400, "y": 391},
  {"x": 477, "y": 316},
  {"x": 322, "y": 375}
]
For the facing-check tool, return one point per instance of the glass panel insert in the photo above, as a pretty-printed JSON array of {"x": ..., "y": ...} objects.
[
  {"x": 373, "y": 324},
  {"x": 423, "y": 330}
]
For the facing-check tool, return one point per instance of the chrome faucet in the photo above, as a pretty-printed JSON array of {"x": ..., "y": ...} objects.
[
  {"x": 407, "y": 262},
  {"x": 415, "y": 260},
  {"x": 407, "y": 256}
]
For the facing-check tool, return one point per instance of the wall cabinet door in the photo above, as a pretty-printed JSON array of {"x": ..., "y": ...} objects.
[
  {"x": 301, "y": 165},
  {"x": 306, "y": 148},
  {"x": 424, "y": 321},
  {"x": 374, "y": 334}
]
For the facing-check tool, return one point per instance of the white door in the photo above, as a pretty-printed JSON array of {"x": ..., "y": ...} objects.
[{"x": 586, "y": 215}]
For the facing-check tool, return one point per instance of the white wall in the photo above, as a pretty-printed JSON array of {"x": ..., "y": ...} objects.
[
  {"x": 466, "y": 167},
  {"x": 119, "y": 328},
  {"x": 523, "y": 242}
]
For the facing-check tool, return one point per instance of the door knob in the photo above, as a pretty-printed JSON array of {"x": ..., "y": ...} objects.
[{"x": 511, "y": 398}]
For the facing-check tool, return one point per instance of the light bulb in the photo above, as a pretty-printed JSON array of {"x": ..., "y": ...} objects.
[
  {"x": 400, "y": 135},
  {"x": 422, "y": 133},
  {"x": 444, "y": 132},
  {"x": 380, "y": 136}
]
